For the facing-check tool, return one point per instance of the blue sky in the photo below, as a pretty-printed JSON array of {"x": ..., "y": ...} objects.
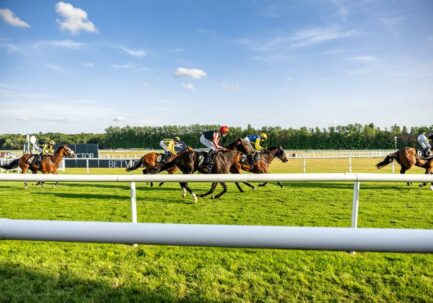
[{"x": 81, "y": 66}]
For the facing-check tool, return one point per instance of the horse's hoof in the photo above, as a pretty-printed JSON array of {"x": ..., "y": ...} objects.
[
  {"x": 431, "y": 187},
  {"x": 254, "y": 188},
  {"x": 421, "y": 185},
  {"x": 194, "y": 198},
  {"x": 213, "y": 197}
]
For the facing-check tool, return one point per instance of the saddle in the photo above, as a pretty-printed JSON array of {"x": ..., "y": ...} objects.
[
  {"x": 420, "y": 154},
  {"x": 250, "y": 159},
  {"x": 159, "y": 158}
]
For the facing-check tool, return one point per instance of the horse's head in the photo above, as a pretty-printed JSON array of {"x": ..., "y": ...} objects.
[
  {"x": 280, "y": 154},
  {"x": 66, "y": 151}
]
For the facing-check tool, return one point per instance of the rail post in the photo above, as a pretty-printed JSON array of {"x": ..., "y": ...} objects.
[
  {"x": 305, "y": 165},
  {"x": 355, "y": 206},
  {"x": 350, "y": 164},
  {"x": 87, "y": 165},
  {"x": 133, "y": 206}
]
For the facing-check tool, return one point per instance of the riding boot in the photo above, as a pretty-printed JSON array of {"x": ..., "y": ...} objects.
[
  {"x": 251, "y": 159},
  {"x": 427, "y": 152},
  {"x": 31, "y": 159},
  {"x": 165, "y": 157}
]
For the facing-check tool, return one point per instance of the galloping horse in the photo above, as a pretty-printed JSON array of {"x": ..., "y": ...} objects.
[
  {"x": 261, "y": 166},
  {"x": 151, "y": 163},
  {"x": 191, "y": 161},
  {"x": 407, "y": 157},
  {"x": 48, "y": 164}
]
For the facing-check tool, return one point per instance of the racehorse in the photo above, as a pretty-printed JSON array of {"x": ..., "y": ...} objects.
[
  {"x": 407, "y": 158},
  {"x": 261, "y": 166},
  {"x": 48, "y": 164},
  {"x": 192, "y": 161},
  {"x": 151, "y": 162}
]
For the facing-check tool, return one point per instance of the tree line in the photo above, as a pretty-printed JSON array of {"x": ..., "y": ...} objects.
[{"x": 352, "y": 136}]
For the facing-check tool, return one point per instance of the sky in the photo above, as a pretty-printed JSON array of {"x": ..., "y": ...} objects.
[{"x": 82, "y": 66}]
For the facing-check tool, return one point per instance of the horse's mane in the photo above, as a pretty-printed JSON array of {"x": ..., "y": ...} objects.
[{"x": 59, "y": 148}]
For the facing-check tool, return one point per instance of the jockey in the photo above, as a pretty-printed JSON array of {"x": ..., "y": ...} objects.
[
  {"x": 168, "y": 145},
  {"x": 48, "y": 148},
  {"x": 211, "y": 140},
  {"x": 36, "y": 154},
  {"x": 256, "y": 140},
  {"x": 423, "y": 140}
]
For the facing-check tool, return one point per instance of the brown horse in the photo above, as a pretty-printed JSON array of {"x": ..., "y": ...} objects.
[
  {"x": 261, "y": 166},
  {"x": 151, "y": 162},
  {"x": 407, "y": 158},
  {"x": 192, "y": 161},
  {"x": 48, "y": 164}
]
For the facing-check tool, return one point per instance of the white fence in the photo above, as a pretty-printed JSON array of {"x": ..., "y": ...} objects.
[
  {"x": 348, "y": 239},
  {"x": 89, "y": 163}
]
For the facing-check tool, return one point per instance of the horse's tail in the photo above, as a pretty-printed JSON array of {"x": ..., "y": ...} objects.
[
  {"x": 12, "y": 165},
  {"x": 138, "y": 164},
  {"x": 389, "y": 159}
]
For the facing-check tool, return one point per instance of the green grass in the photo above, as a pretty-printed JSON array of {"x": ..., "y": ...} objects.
[{"x": 77, "y": 272}]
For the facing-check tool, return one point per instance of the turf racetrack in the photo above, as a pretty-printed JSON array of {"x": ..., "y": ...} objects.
[{"x": 76, "y": 272}]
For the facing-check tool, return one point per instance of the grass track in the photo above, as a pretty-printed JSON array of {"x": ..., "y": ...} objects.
[{"x": 75, "y": 272}]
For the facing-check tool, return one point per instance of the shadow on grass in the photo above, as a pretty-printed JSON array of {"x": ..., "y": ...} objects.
[
  {"x": 109, "y": 197},
  {"x": 85, "y": 195},
  {"x": 21, "y": 284},
  {"x": 364, "y": 185},
  {"x": 118, "y": 185}
]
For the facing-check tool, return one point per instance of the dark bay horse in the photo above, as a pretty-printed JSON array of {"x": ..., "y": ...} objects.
[
  {"x": 48, "y": 164},
  {"x": 261, "y": 166},
  {"x": 192, "y": 161},
  {"x": 151, "y": 164},
  {"x": 407, "y": 158}
]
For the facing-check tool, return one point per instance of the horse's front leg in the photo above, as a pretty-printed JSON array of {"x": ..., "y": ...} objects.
[
  {"x": 249, "y": 185},
  {"x": 239, "y": 187},
  {"x": 403, "y": 171},
  {"x": 185, "y": 188},
  {"x": 223, "y": 184},
  {"x": 212, "y": 189},
  {"x": 55, "y": 184}
]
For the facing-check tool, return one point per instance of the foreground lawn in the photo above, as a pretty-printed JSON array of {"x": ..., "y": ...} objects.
[{"x": 77, "y": 272}]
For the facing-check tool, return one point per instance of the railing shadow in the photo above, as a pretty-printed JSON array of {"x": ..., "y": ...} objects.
[{"x": 21, "y": 284}]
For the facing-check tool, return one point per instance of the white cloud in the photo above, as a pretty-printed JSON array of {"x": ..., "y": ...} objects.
[
  {"x": 189, "y": 86},
  {"x": 317, "y": 35},
  {"x": 363, "y": 59},
  {"x": 119, "y": 119},
  {"x": 87, "y": 64},
  {"x": 52, "y": 66},
  {"x": 342, "y": 12},
  {"x": 52, "y": 113},
  {"x": 134, "y": 52},
  {"x": 9, "y": 17},
  {"x": 122, "y": 66},
  {"x": 62, "y": 44},
  {"x": 301, "y": 38},
  {"x": 75, "y": 19},
  {"x": 230, "y": 87},
  {"x": 190, "y": 72}
]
